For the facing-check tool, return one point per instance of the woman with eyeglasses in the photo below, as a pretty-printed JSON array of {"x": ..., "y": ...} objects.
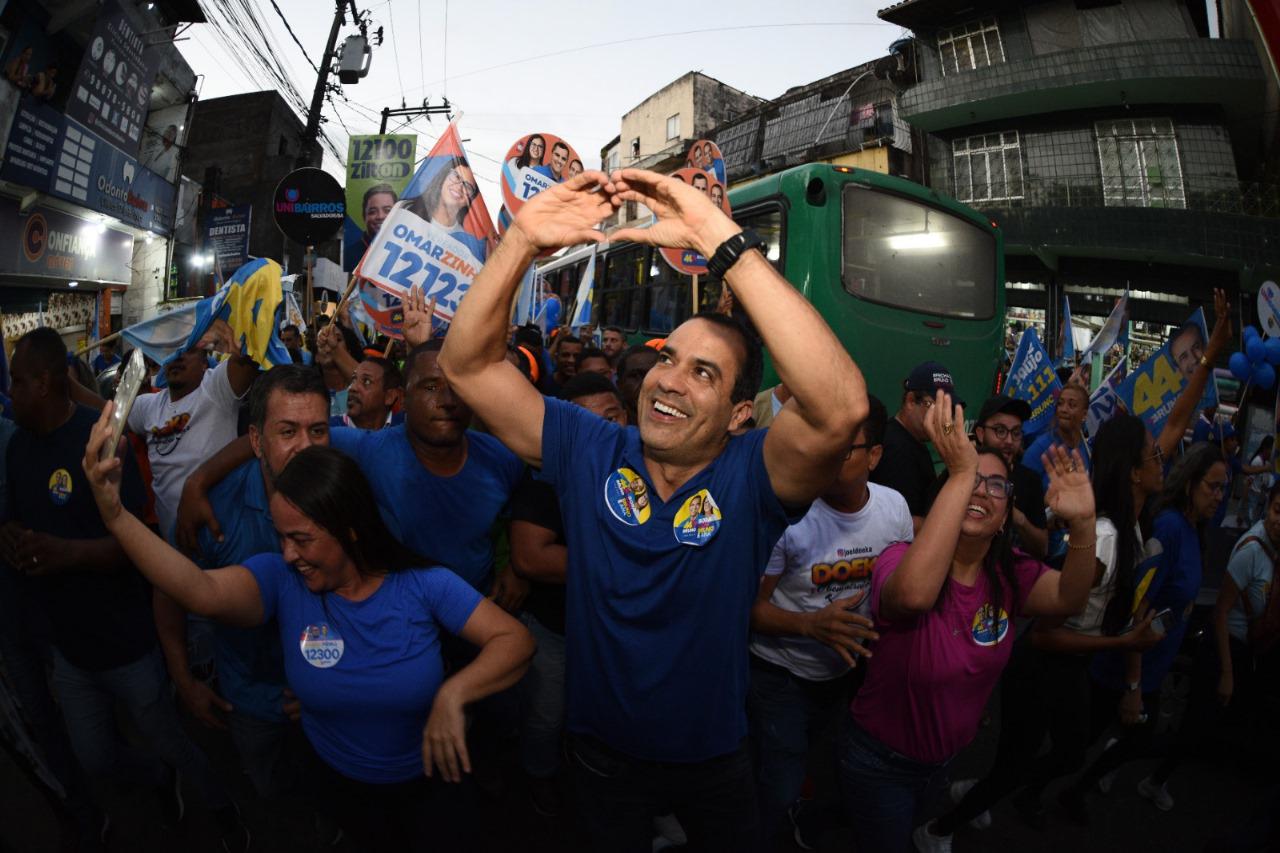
[
  {"x": 944, "y": 607},
  {"x": 447, "y": 200}
]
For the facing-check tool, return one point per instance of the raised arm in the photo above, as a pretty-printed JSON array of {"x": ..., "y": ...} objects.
[
  {"x": 228, "y": 595},
  {"x": 1070, "y": 496},
  {"x": 806, "y": 440},
  {"x": 474, "y": 358},
  {"x": 915, "y": 584},
  {"x": 1184, "y": 407}
]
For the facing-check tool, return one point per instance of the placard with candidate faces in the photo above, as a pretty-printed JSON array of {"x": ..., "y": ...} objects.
[
  {"x": 534, "y": 163},
  {"x": 688, "y": 261}
]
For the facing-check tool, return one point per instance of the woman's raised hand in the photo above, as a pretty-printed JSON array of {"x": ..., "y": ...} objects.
[
  {"x": 1070, "y": 494},
  {"x": 945, "y": 428}
]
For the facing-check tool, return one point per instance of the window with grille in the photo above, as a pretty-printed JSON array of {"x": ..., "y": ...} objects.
[
  {"x": 988, "y": 167},
  {"x": 973, "y": 45},
  {"x": 1140, "y": 165}
]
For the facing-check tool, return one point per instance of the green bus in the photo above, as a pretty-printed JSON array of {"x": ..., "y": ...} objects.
[{"x": 901, "y": 273}]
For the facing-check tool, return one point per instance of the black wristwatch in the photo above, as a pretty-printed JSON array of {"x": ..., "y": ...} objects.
[{"x": 730, "y": 250}]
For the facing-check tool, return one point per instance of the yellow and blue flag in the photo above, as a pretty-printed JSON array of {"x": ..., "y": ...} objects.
[{"x": 251, "y": 303}]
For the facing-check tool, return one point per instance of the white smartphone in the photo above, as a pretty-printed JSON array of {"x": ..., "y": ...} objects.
[{"x": 131, "y": 379}]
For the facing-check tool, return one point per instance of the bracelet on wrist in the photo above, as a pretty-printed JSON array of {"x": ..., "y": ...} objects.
[{"x": 1088, "y": 547}]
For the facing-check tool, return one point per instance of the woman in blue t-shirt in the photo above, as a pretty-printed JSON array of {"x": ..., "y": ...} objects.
[
  {"x": 1127, "y": 684},
  {"x": 360, "y": 618}
]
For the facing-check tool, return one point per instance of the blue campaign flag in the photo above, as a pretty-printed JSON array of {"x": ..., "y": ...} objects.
[
  {"x": 1068, "y": 346},
  {"x": 251, "y": 303},
  {"x": 1032, "y": 378},
  {"x": 586, "y": 289},
  {"x": 1154, "y": 385}
]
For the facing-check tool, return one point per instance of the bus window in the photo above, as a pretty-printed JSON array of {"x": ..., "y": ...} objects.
[
  {"x": 768, "y": 224},
  {"x": 909, "y": 255},
  {"x": 669, "y": 296},
  {"x": 622, "y": 294}
]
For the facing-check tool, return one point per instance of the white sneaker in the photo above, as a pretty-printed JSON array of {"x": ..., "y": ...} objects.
[
  {"x": 1105, "y": 783},
  {"x": 957, "y": 790},
  {"x": 668, "y": 832},
  {"x": 927, "y": 842},
  {"x": 1158, "y": 794}
]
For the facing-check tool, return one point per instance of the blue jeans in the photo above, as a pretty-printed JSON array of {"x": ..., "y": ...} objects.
[
  {"x": 786, "y": 714},
  {"x": 882, "y": 790},
  {"x": 543, "y": 687},
  {"x": 88, "y": 702},
  {"x": 617, "y": 797}
]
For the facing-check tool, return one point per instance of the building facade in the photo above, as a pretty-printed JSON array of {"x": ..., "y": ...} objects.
[{"x": 1117, "y": 144}]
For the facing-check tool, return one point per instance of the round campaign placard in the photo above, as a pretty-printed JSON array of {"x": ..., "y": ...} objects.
[
  {"x": 705, "y": 155},
  {"x": 309, "y": 205},
  {"x": 533, "y": 164},
  {"x": 1269, "y": 309},
  {"x": 688, "y": 261}
]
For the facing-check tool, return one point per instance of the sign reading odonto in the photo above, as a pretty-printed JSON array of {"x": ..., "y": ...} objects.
[{"x": 437, "y": 237}]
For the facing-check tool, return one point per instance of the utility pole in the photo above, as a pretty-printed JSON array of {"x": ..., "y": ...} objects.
[
  {"x": 425, "y": 110},
  {"x": 311, "y": 135}
]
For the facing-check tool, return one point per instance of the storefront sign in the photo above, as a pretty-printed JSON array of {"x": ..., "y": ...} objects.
[
  {"x": 45, "y": 242},
  {"x": 55, "y": 154},
  {"x": 113, "y": 87},
  {"x": 227, "y": 235}
]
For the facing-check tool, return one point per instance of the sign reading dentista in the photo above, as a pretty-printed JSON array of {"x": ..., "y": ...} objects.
[{"x": 309, "y": 205}]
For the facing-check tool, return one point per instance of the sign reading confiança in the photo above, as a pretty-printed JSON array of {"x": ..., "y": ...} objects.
[{"x": 309, "y": 205}]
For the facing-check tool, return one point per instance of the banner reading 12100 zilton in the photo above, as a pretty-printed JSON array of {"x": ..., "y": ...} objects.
[{"x": 378, "y": 169}]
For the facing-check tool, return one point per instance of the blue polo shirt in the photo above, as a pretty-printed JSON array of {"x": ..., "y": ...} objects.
[
  {"x": 446, "y": 520},
  {"x": 250, "y": 666},
  {"x": 658, "y": 597},
  {"x": 1172, "y": 581}
]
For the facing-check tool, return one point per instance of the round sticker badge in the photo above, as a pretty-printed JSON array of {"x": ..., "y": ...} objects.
[
  {"x": 697, "y": 520},
  {"x": 986, "y": 630},
  {"x": 321, "y": 646},
  {"x": 60, "y": 486},
  {"x": 627, "y": 497}
]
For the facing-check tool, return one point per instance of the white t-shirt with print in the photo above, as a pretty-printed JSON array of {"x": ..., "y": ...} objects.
[
  {"x": 825, "y": 556},
  {"x": 181, "y": 435}
]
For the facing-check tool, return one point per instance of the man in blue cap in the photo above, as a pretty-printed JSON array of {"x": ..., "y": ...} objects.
[{"x": 906, "y": 465}]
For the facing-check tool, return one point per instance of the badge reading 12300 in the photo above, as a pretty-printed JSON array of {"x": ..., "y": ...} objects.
[
  {"x": 697, "y": 520},
  {"x": 321, "y": 646},
  {"x": 627, "y": 496}
]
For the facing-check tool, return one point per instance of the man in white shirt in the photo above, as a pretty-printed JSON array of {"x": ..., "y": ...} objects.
[{"x": 812, "y": 616}]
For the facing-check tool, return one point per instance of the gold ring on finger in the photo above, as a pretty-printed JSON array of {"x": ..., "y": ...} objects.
[{"x": 948, "y": 428}]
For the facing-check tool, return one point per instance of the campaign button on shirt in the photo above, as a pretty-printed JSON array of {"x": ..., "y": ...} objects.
[
  {"x": 986, "y": 630},
  {"x": 697, "y": 520},
  {"x": 321, "y": 646},
  {"x": 60, "y": 487},
  {"x": 627, "y": 496}
]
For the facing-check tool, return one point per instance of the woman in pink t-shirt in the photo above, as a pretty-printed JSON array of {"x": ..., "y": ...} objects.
[{"x": 944, "y": 606}]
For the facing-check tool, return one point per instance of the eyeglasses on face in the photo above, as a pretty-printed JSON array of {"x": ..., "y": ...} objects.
[
  {"x": 993, "y": 485},
  {"x": 1002, "y": 432},
  {"x": 472, "y": 189},
  {"x": 862, "y": 445}
]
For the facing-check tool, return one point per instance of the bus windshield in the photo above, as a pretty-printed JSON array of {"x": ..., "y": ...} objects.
[{"x": 905, "y": 254}]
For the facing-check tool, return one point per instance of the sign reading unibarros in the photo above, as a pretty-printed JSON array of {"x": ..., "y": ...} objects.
[{"x": 309, "y": 205}]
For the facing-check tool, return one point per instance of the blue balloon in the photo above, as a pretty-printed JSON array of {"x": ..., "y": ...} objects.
[
  {"x": 1264, "y": 376},
  {"x": 1240, "y": 367},
  {"x": 1256, "y": 350},
  {"x": 1273, "y": 350},
  {"x": 1251, "y": 332}
]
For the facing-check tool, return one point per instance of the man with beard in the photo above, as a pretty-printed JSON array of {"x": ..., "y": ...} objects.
[
  {"x": 376, "y": 388},
  {"x": 657, "y": 621}
]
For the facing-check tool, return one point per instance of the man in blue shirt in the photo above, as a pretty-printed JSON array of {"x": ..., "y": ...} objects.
[
  {"x": 658, "y": 603},
  {"x": 106, "y": 357},
  {"x": 376, "y": 389},
  {"x": 288, "y": 409}
]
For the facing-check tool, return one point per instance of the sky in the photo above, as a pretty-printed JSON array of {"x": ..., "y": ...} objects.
[{"x": 570, "y": 68}]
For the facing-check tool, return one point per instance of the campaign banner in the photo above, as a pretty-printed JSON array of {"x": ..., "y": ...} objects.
[
  {"x": 1153, "y": 386},
  {"x": 1032, "y": 378},
  {"x": 52, "y": 153},
  {"x": 41, "y": 241},
  {"x": 688, "y": 261},
  {"x": 1104, "y": 403},
  {"x": 438, "y": 235},
  {"x": 1066, "y": 339},
  {"x": 533, "y": 164},
  {"x": 1114, "y": 330},
  {"x": 705, "y": 155},
  {"x": 378, "y": 170},
  {"x": 226, "y": 232},
  {"x": 113, "y": 87},
  {"x": 384, "y": 312},
  {"x": 1269, "y": 310}
]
